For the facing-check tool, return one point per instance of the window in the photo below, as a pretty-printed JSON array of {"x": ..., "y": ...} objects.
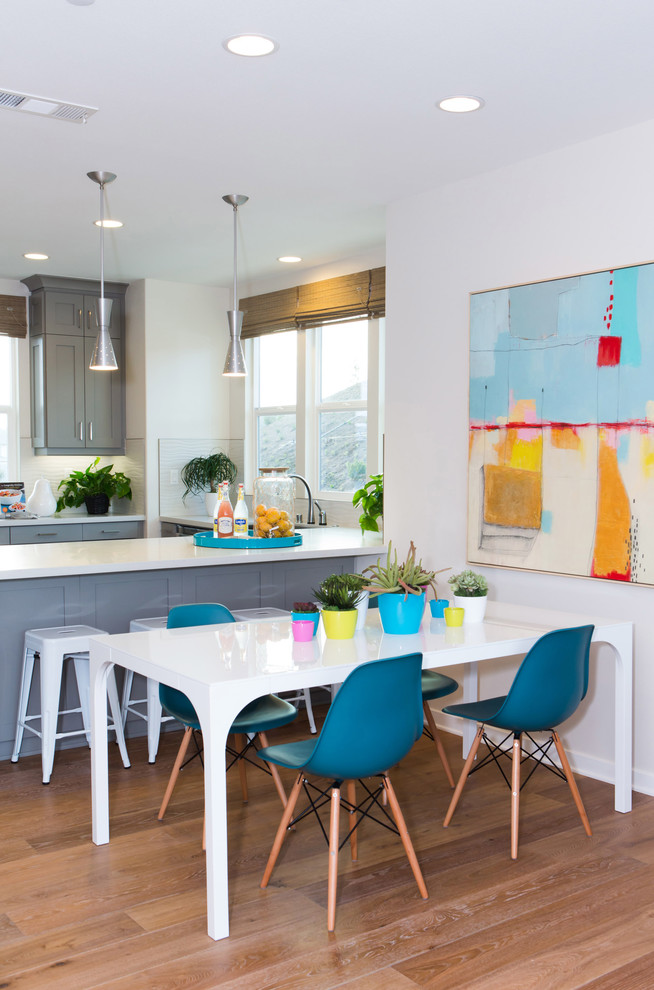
[
  {"x": 315, "y": 404},
  {"x": 8, "y": 410}
]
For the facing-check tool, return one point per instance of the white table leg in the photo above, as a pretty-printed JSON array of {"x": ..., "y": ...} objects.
[
  {"x": 470, "y": 693},
  {"x": 622, "y": 643},
  {"x": 99, "y": 670},
  {"x": 214, "y": 737}
]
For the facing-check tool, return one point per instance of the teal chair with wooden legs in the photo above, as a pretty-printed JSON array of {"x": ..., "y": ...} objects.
[
  {"x": 550, "y": 683},
  {"x": 435, "y": 685},
  {"x": 251, "y": 724},
  {"x": 372, "y": 723}
]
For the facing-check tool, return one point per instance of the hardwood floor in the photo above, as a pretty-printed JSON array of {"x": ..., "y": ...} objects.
[{"x": 571, "y": 912}]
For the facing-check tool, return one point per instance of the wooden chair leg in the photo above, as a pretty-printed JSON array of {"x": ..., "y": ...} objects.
[
  {"x": 275, "y": 773},
  {"x": 464, "y": 776},
  {"x": 515, "y": 794},
  {"x": 404, "y": 835},
  {"x": 179, "y": 759},
  {"x": 429, "y": 715},
  {"x": 332, "y": 878},
  {"x": 352, "y": 799},
  {"x": 281, "y": 831},
  {"x": 572, "y": 783},
  {"x": 241, "y": 743}
]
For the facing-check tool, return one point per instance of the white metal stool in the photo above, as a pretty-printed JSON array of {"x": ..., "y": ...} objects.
[
  {"x": 52, "y": 646},
  {"x": 153, "y": 713}
]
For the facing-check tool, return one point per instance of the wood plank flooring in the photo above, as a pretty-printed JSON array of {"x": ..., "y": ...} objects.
[{"x": 572, "y": 912}]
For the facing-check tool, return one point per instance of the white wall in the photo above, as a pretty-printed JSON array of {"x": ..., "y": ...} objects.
[
  {"x": 177, "y": 338},
  {"x": 587, "y": 207}
]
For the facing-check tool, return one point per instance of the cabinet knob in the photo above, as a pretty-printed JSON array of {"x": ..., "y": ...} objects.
[
  {"x": 81, "y": 430},
  {"x": 79, "y": 318},
  {"x": 90, "y": 430}
]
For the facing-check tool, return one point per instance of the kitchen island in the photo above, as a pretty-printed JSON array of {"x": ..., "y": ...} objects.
[{"x": 106, "y": 584}]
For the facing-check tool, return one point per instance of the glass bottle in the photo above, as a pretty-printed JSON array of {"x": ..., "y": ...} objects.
[
  {"x": 241, "y": 514},
  {"x": 225, "y": 514},
  {"x": 273, "y": 504},
  {"x": 216, "y": 510}
]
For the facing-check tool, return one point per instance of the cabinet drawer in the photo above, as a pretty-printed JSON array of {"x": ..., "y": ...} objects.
[
  {"x": 47, "y": 534},
  {"x": 4, "y": 536},
  {"x": 112, "y": 531}
]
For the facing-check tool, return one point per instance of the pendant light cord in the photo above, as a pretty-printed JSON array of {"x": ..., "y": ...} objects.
[
  {"x": 235, "y": 303},
  {"x": 102, "y": 240}
]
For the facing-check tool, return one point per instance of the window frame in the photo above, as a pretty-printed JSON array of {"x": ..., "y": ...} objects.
[
  {"x": 307, "y": 407},
  {"x": 12, "y": 411}
]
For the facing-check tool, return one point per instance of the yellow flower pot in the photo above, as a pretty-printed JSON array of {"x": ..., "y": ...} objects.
[{"x": 339, "y": 625}]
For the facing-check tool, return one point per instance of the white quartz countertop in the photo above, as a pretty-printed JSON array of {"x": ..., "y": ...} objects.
[
  {"x": 114, "y": 556},
  {"x": 76, "y": 518}
]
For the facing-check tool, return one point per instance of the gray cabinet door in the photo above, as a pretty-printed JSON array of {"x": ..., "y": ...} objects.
[
  {"x": 104, "y": 402},
  {"x": 64, "y": 313},
  {"x": 64, "y": 391}
]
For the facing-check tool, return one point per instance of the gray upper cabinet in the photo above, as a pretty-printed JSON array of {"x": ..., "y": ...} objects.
[{"x": 74, "y": 409}]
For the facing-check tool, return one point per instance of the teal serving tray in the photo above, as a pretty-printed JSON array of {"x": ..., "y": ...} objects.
[{"x": 245, "y": 542}]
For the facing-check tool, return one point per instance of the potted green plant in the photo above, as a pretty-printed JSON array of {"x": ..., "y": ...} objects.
[
  {"x": 203, "y": 475},
  {"x": 306, "y": 610},
  {"x": 470, "y": 591},
  {"x": 338, "y": 606},
  {"x": 371, "y": 500},
  {"x": 401, "y": 588},
  {"x": 93, "y": 487}
]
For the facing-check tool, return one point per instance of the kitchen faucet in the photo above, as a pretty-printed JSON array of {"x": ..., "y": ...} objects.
[{"x": 310, "y": 517}]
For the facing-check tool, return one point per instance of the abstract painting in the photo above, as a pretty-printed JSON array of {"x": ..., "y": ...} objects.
[{"x": 561, "y": 439}]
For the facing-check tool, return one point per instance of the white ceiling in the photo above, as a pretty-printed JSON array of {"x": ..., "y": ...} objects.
[{"x": 321, "y": 136}]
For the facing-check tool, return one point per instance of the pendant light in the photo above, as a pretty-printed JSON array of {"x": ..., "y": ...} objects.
[
  {"x": 103, "y": 357},
  {"x": 235, "y": 366}
]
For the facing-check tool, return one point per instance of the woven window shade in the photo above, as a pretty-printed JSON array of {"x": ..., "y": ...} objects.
[
  {"x": 13, "y": 316},
  {"x": 269, "y": 312},
  {"x": 348, "y": 297}
]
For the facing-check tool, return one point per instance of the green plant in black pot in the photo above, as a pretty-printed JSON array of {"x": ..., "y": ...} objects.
[
  {"x": 93, "y": 487},
  {"x": 205, "y": 474},
  {"x": 371, "y": 500}
]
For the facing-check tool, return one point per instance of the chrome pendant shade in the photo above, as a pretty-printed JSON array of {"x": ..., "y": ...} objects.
[
  {"x": 103, "y": 357},
  {"x": 235, "y": 366}
]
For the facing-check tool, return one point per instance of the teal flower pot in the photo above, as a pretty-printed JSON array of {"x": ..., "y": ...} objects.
[
  {"x": 313, "y": 616},
  {"x": 401, "y": 617}
]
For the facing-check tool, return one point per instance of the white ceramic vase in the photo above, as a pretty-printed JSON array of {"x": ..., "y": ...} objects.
[
  {"x": 42, "y": 501},
  {"x": 210, "y": 503},
  {"x": 362, "y": 610},
  {"x": 474, "y": 608}
]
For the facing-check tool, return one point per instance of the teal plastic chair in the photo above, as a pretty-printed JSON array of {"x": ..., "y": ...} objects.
[
  {"x": 550, "y": 683},
  {"x": 435, "y": 685},
  {"x": 372, "y": 723},
  {"x": 252, "y": 723}
]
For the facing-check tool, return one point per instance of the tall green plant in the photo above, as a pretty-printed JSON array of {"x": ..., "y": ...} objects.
[
  {"x": 371, "y": 500},
  {"x": 338, "y": 593}
]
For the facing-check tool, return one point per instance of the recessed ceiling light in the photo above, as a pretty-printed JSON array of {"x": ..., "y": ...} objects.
[
  {"x": 461, "y": 104},
  {"x": 108, "y": 223},
  {"x": 35, "y": 256},
  {"x": 251, "y": 45},
  {"x": 289, "y": 259},
  {"x": 81, "y": 3}
]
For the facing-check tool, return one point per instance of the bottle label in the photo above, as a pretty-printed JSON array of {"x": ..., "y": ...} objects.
[
  {"x": 225, "y": 526},
  {"x": 241, "y": 527}
]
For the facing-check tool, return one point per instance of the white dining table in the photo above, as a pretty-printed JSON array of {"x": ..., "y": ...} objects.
[{"x": 223, "y": 667}]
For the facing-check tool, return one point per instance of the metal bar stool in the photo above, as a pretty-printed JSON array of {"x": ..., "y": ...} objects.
[
  {"x": 52, "y": 646},
  {"x": 153, "y": 713}
]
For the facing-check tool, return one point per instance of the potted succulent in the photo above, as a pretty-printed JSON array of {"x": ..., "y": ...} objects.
[
  {"x": 371, "y": 500},
  {"x": 93, "y": 487},
  {"x": 470, "y": 592},
  {"x": 306, "y": 610},
  {"x": 203, "y": 475},
  {"x": 338, "y": 606},
  {"x": 401, "y": 588}
]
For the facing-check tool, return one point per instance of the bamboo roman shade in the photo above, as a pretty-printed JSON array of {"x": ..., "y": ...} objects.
[
  {"x": 13, "y": 316},
  {"x": 348, "y": 297}
]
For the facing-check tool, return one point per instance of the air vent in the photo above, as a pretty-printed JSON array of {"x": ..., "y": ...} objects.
[{"x": 44, "y": 106}]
